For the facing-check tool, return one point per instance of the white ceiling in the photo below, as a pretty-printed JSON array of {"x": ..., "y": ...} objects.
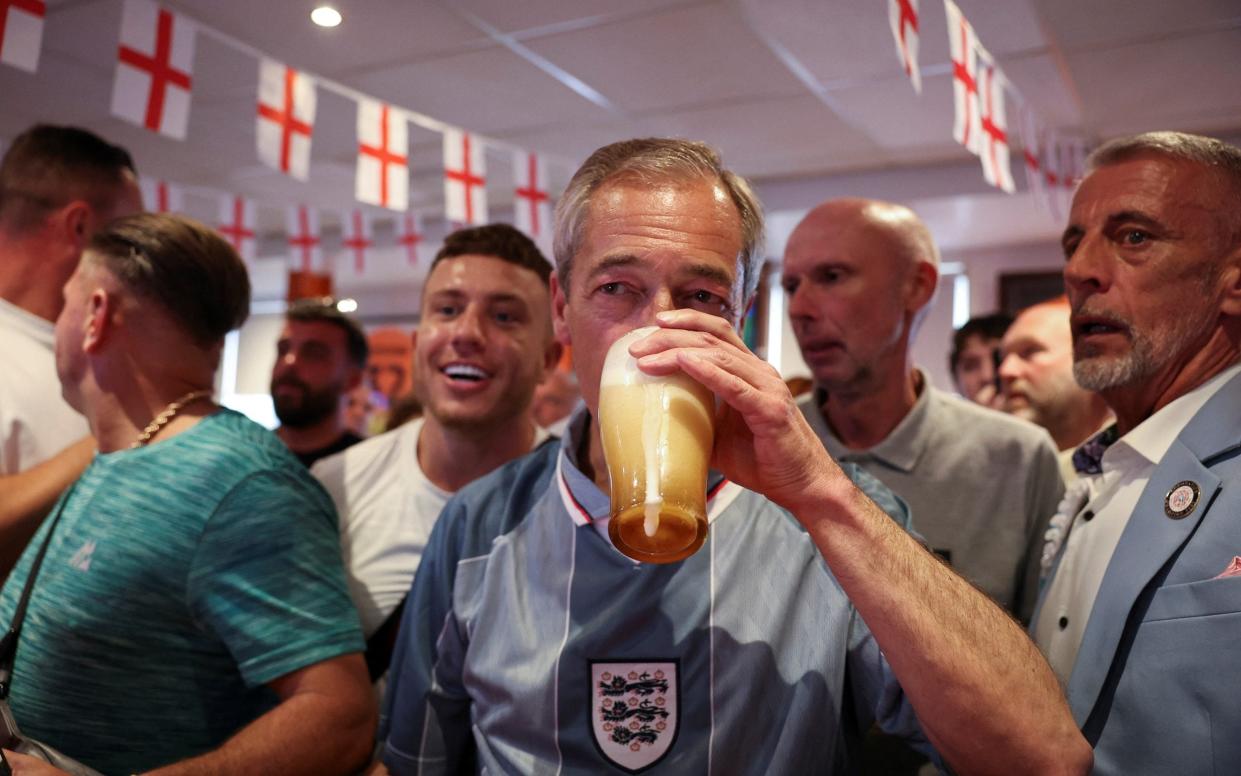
[{"x": 795, "y": 93}]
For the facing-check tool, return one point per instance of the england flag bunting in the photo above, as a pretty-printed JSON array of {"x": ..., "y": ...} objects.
[
  {"x": 531, "y": 200},
  {"x": 383, "y": 156},
  {"x": 356, "y": 240},
  {"x": 1034, "y": 156},
  {"x": 161, "y": 196},
  {"x": 409, "y": 236},
  {"x": 21, "y": 33},
  {"x": 305, "y": 244},
  {"x": 994, "y": 124},
  {"x": 286, "y": 118},
  {"x": 153, "y": 71},
  {"x": 465, "y": 179},
  {"x": 966, "y": 127},
  {"x": 236, "y": 223},
  {"x": 903, "y": 19}
]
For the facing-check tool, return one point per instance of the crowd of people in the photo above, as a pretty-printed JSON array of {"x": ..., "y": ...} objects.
[{"x": 1037, "y": 576}]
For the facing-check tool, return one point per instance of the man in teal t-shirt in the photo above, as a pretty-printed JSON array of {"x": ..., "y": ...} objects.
[{"x": 191, "y": 605}]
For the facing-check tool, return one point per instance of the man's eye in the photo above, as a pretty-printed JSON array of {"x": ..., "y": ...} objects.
[
  {"x": 1134, "y": 237},
  {"x": 611, "y": 289},
  {"x": 790, "y": 286},
  {"x": 446, "y": 309},
  {"x": 706, "y": 297}
]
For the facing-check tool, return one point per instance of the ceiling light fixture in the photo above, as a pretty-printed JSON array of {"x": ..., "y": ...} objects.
[
  {"x": 347, "y": 305},
  {"x": 325, "y": 16}
]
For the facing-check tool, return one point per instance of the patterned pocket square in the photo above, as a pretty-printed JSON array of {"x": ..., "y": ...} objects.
[{"x": 1233, "y": 569}]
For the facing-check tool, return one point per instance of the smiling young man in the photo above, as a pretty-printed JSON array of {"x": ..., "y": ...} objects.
[
  {"x": 483, "y": 343},
  {"x": 531, "y": 645}
]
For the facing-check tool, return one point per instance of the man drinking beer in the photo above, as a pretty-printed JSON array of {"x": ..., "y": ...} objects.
[{"x": 532, "y": 645}]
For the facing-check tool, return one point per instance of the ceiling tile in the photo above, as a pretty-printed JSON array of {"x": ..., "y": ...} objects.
[
  {"x": 508, "y": 16},
  {"x": 1077, "y": 24}
]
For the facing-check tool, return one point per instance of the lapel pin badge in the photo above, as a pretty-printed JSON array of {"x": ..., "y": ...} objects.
[{"x": 1181, "y": 500}]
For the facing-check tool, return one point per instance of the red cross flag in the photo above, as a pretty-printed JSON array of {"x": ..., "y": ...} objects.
[
  {"x": 532, "y": 203},
  {"x": 383, "y": 156},
  {"x": 410, "y": 237},
  {"x": 286, "y": 118},
  {"x": 21, "y": 32},
  {"x": 356, "y": 238},
  {"x": 237, "y": 221},
  {"x": 465, "y": 179},
  {"x": 1034, "y": 156},
  {"x": 966, "y": 128},
  {"x": 995, "y": 162},
  {"x": 903, "y": 19},
  {"x": 305, "y": 246},
  {"x": 152, "y": 87},
  {"x": 161, "y": 196}
]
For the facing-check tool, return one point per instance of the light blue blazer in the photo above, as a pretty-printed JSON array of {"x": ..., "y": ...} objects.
[{"x": 1157, "y": 683}]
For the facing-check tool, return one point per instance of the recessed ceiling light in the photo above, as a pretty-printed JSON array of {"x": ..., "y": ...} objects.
[
  {"x": 347, "y": 305},
  {"x": 325, "y": 16}
]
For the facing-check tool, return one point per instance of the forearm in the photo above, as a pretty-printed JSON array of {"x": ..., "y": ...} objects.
[
  {"x": 26, "y": 497},
  {"x": 310, "y": 733},
  {"x": 968, "y": 669}
]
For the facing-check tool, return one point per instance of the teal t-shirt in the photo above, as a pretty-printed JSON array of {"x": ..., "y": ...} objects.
[{"x": 181, "y": 578}]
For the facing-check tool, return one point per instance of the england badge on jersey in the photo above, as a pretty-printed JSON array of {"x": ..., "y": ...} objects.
[{"x": 634, "y": 711}]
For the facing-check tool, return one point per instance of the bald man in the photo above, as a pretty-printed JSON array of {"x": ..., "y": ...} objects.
[
  {"x": 860, "y": 276},
  {"x": 1037, "y": 384}
]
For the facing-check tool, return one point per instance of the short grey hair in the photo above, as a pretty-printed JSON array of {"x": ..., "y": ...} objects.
[
  {"x": 1222, "y": 159},
  {"x": 656, "y": 160}
]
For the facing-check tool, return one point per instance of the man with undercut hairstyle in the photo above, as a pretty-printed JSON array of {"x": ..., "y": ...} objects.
[
  {"x": 531, "y": 645},
  {"x": 187, "y": 613},
  {"x": 483, "y": 344},
  {"x": 981, "y": 486},
  {"x": 1142, "y": 613}
]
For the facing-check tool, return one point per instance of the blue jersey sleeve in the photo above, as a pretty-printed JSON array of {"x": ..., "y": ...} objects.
[
  {"x": 425, "y": 723},
  {"x": 268, "y": 580}
]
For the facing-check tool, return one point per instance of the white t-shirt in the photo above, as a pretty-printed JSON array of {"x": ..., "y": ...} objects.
[
  {"x": 387, "y": 508},
  {"x": 1113, "y": 494},
  {"x": 35, "y": 422}
]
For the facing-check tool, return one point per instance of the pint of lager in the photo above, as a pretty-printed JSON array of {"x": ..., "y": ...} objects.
[{"x": 657, "y": 434}]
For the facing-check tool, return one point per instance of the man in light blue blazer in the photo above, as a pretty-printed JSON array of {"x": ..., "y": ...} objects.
[{"x": 1140, "y": 616}]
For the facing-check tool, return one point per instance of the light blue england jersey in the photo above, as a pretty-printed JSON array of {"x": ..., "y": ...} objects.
[{"x": 530, "y": 645}]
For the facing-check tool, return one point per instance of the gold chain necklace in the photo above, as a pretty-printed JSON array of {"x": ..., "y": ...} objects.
[{"x": 167, "y": 414}]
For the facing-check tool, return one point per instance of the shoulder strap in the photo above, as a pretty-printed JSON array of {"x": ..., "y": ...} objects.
[
  {"x": 8, "y": 646},
  {"x": 380, "y": 645}
]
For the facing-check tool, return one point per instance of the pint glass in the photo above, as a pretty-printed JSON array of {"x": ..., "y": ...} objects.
[{"x": 657, "y": 434}]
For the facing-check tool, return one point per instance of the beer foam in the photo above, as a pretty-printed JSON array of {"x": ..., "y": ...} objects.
[{"x": 620, "y": 368}]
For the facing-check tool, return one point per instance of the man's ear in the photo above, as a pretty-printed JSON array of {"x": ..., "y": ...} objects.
[
  {"x": 923, "y": 279},
  {"x": 101, "y": 308},
  {"x": 1230, "y": 281},
  {"x": 75, "y": 222},
  {"x": 559, "y": 304}
]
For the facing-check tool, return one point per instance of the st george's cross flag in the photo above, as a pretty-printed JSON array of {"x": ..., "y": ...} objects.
[
  {"x": 411, "y": 239},
  {"x": 161, "y": 196},
  {"x": 994, "y": 151},
  {"x": 532, "y": 209},
  {"x": 966, "y": 127},
  {"x": 383, "y": 156},
  {"x": 21, "y": 33},
  {"x": 237, "y": 224},
  {"x": 903, "y": 19},
  {"x": 465, "y": 179},
  {"x": 356, "y": 240},
  {"x": 305, "y": 243},
  {"x": 154, "y": 66},
  {"x": 286, "y": 118}
]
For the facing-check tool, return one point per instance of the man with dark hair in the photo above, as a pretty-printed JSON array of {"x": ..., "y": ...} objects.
[
  {"x": 974, "y": 356},
  {"x": 1142, "y": 613},
  {"x": 531, "y": 645},
  {"x": 58, "y": 186},
  {"x": 190, "y": 613},
  {"x": 483, "y": 343},
  {"x": 320, "y": 358}
]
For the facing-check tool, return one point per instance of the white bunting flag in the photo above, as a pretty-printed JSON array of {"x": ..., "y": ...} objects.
[
  {"x": 465, "y": 179},
  {"x": 963, "y": 44},
  {"x": 237, "y": 222},
  {"x": 531, "y": 200},
  {"x": 383, "y": 156},
  {"x": 410, "y": 237},
  {"x": 21, "y": 33},
  {"x": 903, "y": 19},
  {"x": 161, "y": 196},
  {"x": 286, "y": 118},
  {"x": 996, "y": 167},
  {"x": 1035, "y": 157},
  {"x": 153, "y": 71},
  {"x": 356, "y": 240},
  {"x": 305, "y": 245}
]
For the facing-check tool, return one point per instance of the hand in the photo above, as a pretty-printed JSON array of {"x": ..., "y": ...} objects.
[
  {"x": 762, "y": 440},
  {"x": 25, "y": 765}
]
